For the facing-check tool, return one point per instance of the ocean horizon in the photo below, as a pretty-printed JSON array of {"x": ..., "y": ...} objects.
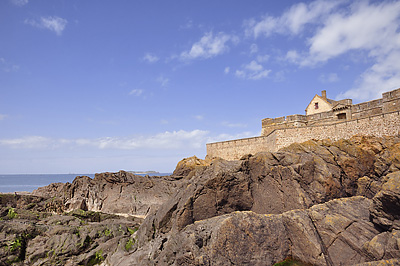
[{"x": 30, "y": 182}]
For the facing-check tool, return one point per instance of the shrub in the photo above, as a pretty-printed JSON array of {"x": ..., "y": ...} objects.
[
  {"x": 11, "y": 213},
  {"x": 129, "y": 244}
]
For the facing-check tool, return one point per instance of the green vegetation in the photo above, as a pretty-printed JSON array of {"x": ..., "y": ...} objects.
[
  {"x": 18, "y": 248},
  {"x": 290, "y": 262},
  {"x": 129, "y": 244},
  {"x": 16, "y": 244},
  {"x": 107, "y": 232},
  {"x": 132, "y": 231},
  {"x": 11, "y": 213},
  {"x": 97, "y": 259}
]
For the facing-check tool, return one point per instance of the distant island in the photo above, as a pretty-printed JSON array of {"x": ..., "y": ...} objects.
[{"x": 143, "y": 172}]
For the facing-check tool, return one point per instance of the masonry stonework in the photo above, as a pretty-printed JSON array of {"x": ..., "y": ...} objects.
[{"x": 374, "y": 118}]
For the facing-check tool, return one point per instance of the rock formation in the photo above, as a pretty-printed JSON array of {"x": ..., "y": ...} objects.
[
  {"x": 116, "y": 193},
  {"x": 315, "y": 203}
]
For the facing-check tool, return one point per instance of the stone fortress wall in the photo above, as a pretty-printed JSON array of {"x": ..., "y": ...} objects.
[{"x": 379, "y": 117}]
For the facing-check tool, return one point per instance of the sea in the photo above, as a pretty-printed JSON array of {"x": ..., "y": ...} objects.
[{"x": 30, "y": 182}]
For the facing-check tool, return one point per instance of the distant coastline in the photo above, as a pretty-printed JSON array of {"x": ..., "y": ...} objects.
[{"x": 143, "y": 172}]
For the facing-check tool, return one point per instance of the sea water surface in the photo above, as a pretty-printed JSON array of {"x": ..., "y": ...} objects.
[{"x": 30, "y": 182}]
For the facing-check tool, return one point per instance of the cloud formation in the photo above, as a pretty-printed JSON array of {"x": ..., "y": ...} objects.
[
  {"x": 7, "y": 66},
  {"x": 338, "y": 28},
  {"x": 136, "y": 92},
  {"x": 163, "y": 81},
  {"x": 253, "y": 71},
  {"x": 19, "y": 2},
  {"x": 292, "y": 21},
  {"x": 150, "y": 58},
  {"x": 209, "y": 46},
  {"x": 164, "y": 141},
  {"x": 52, "y": 23},
  {"x": 169, "y": 140},
  {"x": 329, "y": 78},
  {"x": 2, "y": 116},
  {"x": 233, "y": 125}
]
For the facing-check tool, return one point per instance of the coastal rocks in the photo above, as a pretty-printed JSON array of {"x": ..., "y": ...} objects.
[
  {"x": 117, "y": 193},
  {"x": 32, "y": 237},
  {"x": 297, "y": 177},
  {"x": 187, "y": 165},
  {"x": 314, "y": 203},
  {"x": 385, "y": 211},
  {"x": 334, "y": 233}
]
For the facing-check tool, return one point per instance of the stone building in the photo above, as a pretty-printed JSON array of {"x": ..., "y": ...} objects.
[{"x": 325, "y": 118}]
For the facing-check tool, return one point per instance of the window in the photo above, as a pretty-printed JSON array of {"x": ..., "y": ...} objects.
[
  {"x": 316, "y": 106},
  {"x": 341, "y": 116}
]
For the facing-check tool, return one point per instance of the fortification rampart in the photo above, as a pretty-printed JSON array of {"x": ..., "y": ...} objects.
[
  {"x": 376, "y": 118},
  {"x": 379, "y": 125}
]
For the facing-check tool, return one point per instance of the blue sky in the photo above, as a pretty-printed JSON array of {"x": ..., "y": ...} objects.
[{"x": 92, "y": 86}]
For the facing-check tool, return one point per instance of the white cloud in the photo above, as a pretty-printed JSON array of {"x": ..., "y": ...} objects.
[
  {"x": 253, "y": 71},
  {"x": 7, "y": 66},
  {"x": 2, "y": 117},
  {"x": 371, "y": 28},
  {"x": 224, "y": 137},
  {"x": 188, "y": 25},
  {"x": 227, "y": 70},
  {"x": 253, "y": 48},
  {"x": 292, "y": 21},
  {"x": 169, "y": 140},
  {"x": 329, "y": 78},
  {"x": 19, "y": 2},
  {"x": 331, "y": 29},
  {"x": 31, "y": 142},
  {"x": 209, "y": 46},
  {"x": 136, "y": 92},
  {"x": 262, "y": 58},
  {"x": 233, "y": 125},
  {"x": 150, "y": 58},
  {"x": 52, "y": 23},
  {"x": 163, "y": 81},
  {"x": 199, "y": 117}
]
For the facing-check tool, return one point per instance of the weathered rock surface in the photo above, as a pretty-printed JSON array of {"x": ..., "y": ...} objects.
[
  {"x": 338, "y": 232},
  {"x": 32, "y": 235},
  {"x": 297, "y": 177},
  {"x": 318, "y": 203},
  {"x": 117, "y": 193}
]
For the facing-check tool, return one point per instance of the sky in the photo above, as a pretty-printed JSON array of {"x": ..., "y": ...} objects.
[{"x": 89, "y": 86}]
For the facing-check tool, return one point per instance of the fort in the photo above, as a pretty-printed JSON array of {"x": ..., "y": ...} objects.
[{"x": 324, "y": 119}]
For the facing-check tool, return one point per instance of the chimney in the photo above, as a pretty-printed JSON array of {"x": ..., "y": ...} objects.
[{"x": 323, "y": 94}]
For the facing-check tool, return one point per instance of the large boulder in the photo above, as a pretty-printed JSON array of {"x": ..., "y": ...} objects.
[
  {"x": 385, "y": 211},
  {"x": 117, "y": 193}
]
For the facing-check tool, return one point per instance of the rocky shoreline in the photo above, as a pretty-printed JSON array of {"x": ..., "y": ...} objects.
[{"x": 314, "y": 203}]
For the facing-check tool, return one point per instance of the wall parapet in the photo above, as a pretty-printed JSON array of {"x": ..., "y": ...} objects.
[{"x": 387, "y": 124}]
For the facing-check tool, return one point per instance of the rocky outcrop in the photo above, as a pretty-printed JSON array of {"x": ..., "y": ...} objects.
[
  {"x": 338, "y": 232},
  {"x": 298, "y": 177},
  {"x": 117, "y": 193},
  {"x": 31, "y": 234},
  {"x": 315, "y": 203}
]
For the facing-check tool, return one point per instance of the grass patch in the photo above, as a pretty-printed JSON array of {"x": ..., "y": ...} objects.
[
  {"x": 129, "y": 244},
  {"x": 132, "y": 231},
  {"x": 11, "y": 213}
]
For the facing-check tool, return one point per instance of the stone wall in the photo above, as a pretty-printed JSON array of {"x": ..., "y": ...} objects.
[
  {"x": 366, "y": 109},
  {"x": 235, "y": 149},
  {"x": 389, "y": 102},
  {"x": 379, "y": 125}
]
